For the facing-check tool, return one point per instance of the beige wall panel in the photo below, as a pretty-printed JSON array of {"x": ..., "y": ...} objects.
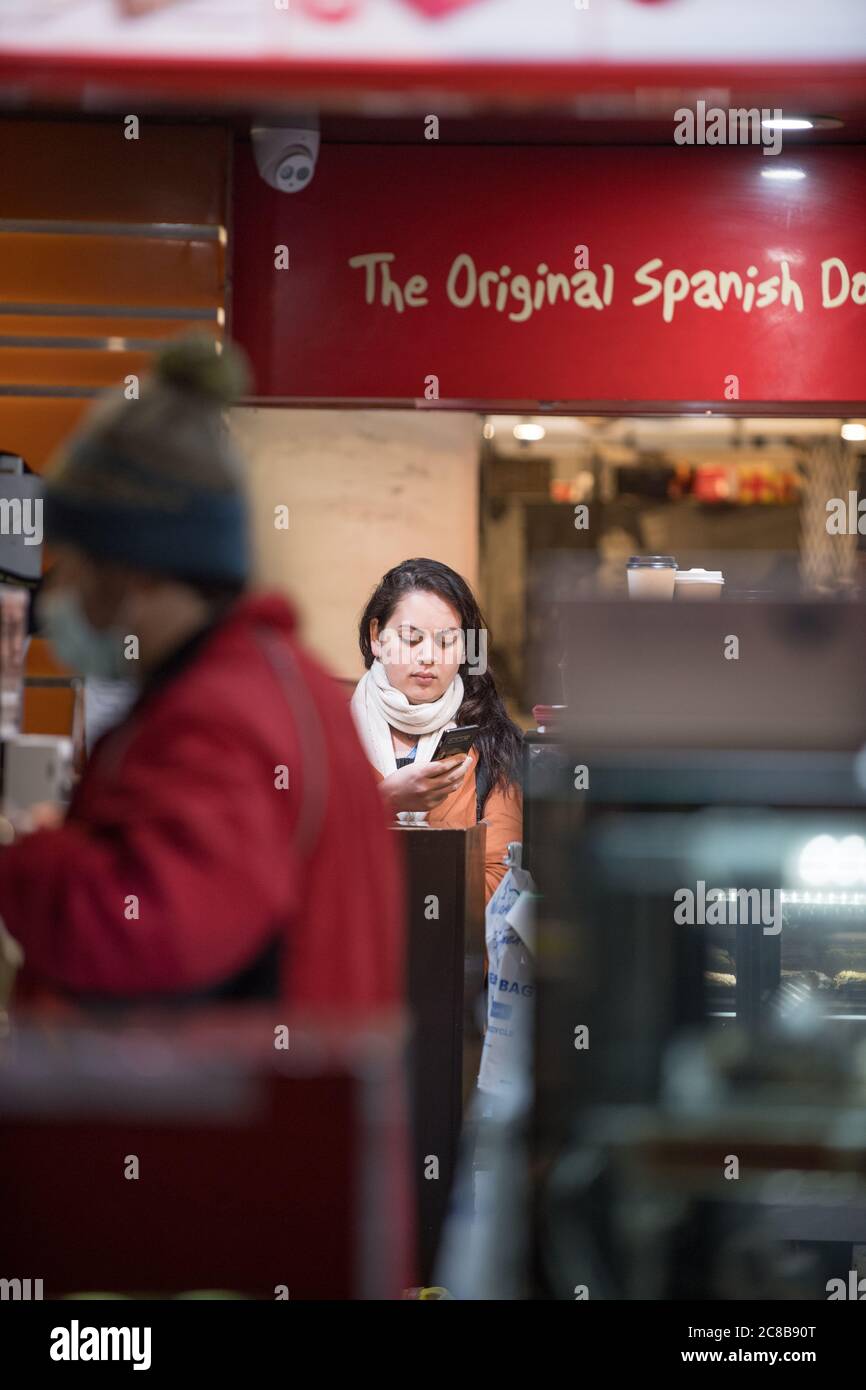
[{"x": 365, "y": 489}]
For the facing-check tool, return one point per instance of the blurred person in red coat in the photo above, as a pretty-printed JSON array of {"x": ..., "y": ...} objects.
[{"x": 226, "y": 840}]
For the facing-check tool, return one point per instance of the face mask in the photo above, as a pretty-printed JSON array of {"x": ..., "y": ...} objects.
[{"x": 86, "y": 649}]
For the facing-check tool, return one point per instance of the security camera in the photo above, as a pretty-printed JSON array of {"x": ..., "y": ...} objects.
[{"x": 286, "y": 155}]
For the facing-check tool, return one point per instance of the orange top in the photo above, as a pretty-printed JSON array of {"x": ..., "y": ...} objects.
[{"x": 503, "y": 812}]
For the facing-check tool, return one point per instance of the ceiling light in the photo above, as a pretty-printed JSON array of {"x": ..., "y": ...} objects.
[
  {"x": 788, "y": 174},
  {"x": 853, "y": 433},
  {"x": 838, "y": 863},
  {"x": 788, "y": 123},
  {"x": 528, "y": 433}
]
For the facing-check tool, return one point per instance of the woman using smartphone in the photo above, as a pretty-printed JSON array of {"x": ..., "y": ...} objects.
[{"x": 424, "y": 645}]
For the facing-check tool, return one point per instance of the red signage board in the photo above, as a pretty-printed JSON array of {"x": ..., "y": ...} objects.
[{"x": 680, "y": 276}]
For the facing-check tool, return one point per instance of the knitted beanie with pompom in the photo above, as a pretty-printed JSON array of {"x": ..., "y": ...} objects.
[{"x": 156, "y": 482}]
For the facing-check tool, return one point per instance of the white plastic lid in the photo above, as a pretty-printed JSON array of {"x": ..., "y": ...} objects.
[{"x": 699, "y": 576}]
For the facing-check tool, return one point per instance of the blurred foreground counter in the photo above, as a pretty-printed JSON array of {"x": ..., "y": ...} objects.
[
  {"x": 445, "y": 897},
  {"x": 233, "y": 1152}
]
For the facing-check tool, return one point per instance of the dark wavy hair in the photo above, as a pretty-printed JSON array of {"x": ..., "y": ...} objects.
[{"x": 500, "y": 740}]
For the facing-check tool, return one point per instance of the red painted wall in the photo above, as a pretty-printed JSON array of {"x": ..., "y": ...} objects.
[{"x": 311, "y": 333}]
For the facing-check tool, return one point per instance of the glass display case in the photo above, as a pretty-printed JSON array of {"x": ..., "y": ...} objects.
[
  {"x": 762, "y": 857},
  {"x": 700, "y": 1003}
]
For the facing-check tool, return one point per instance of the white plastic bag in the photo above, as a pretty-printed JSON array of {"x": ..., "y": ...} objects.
[{"x": 510, "y": 981}]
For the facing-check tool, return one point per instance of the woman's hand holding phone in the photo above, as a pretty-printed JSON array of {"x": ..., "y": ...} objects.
[{"x": 414, "y": 788}]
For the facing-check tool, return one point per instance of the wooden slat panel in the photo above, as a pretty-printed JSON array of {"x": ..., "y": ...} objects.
[
  {"x": 103, "y": 270},
  {"x": 46, "y": 711},
  {"x": 47, "y": 367},
  {"x": 35, "y": 428},
  {"x": 80, "y": 171},
  {"x": 88, "y": 170},
  {"x": 103, "y": 326},
  {"x": 41, "y": 660}
]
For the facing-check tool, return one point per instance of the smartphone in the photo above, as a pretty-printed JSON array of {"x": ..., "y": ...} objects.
[{"x": 455, "y": 741}]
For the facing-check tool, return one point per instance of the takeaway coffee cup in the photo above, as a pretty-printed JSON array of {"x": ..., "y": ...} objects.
[
  {"x": 699, "y": 584},
  {"x": 651, "y": 576}
]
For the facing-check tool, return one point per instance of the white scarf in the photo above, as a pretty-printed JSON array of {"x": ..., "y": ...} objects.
[{"x": 377, "y": 707}]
